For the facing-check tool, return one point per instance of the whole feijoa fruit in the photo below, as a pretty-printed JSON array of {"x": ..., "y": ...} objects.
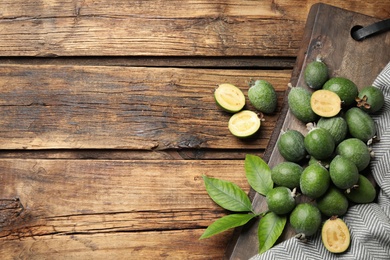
[
  {"x": 280, "y": 200},
  {"x": 336, "y": 126},
  {"x": 333, "y": 203},
  {"x": 319, "y": 143},
  {"x": 287, "y": 174},
  {"x": 325, "y": 103},
  {"x": 343, "y": 172},
  {"x": 229, "y": 97},
  {"x": 335, "y": 235},
  {"x": 360, "y": 124},
  {"x": 291, "y": 147},
  {"x": 305, "y": 219},
  {"x": 344, "y": 88},
  {"x": 370, "y": 99},
  {"x": 316, "y": 74},
  {"x": 314, "y": 181},
  {"x": 324, "y": 163},
  {"x": 262, "y": 96},
  {"x": 364, "y": 193},
  {"x": 355, "y": 150},
  {"x": 244, "y": 124},
  {"x": 299, "y": 104}
]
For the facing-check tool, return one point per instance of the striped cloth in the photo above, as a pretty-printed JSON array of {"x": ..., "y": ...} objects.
[{"x": 369, "y": 224}]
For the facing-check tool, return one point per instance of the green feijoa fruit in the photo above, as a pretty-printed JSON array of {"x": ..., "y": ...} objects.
[
  {"x": 315, "y": 181},
  {"x": 280, "y": 200},
  {"x": 299, "y": 104},
  {"x": 333, "y": 203},
  {"x": 344, "y": 88},
  {"x": 370, "y": 99},
  {"x": 355, "y": 150},
  {"x": 244, "y": 124},
  {"x": 305, "y": 219},
  {"x": 319, "y": 143},
  {"x": 343, "y": 172},
  {"x": 364, "y": 192},
  {"x": 290, "y": 146},
  {"x": 316, "y": 74},
  {"x": 337, "y": 127},
  {"x": 324, "y": 163},
  {"x": 360, "y": 124},
  {"x": 229, "y": 97},
  {"x": 286, "y": 174},
  {"x": 262, "y": 96}
]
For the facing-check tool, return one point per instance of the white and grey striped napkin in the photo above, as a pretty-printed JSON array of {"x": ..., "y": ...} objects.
[{"x": 369, "y": 224}]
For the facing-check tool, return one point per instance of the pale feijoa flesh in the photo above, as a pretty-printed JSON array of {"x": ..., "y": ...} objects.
[
  {"x": 262, "y": 96},
  {"x": 355, "y": 150},
  {"x": 343, "y": 172},
  {"x": 333, "y": 203},
  {"x": 291, "y": 145},
  {"x": 360, "y": 124},
  {"x": 287, "y": 174},
  {"x": 229, "y": 97},
  {"x": 316, "y": 74},
  {"x": 305, "y": 219},
  {"x": 370, "y": 99},
  {"x": 244, "y": 123},
  {"x": 344, "y": 88},
  {"x": 335, "y": 235},
  {"x": 364, "y": 192},
  {"x": 280, "y": 200},
  {"x": 314, "y": 181},
  {"x": 319, "y": 143},
  {"x": 337, "y": 127},
  {"x": 325, "y": 103},
  {"x": 299, "y": 104}
]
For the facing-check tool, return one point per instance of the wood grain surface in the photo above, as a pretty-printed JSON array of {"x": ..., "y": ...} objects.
[{"x": 108, "y": 121}]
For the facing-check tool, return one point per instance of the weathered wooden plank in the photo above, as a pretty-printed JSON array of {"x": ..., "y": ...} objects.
[
  {"x": 113, "y": 107},
  {"x": 161, "y": 28},
  {"x": 50, "y": 206},
  {"x": 175, "y": 244}
]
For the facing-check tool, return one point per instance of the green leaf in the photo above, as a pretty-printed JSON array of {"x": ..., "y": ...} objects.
[
  {"x": 258, "y": 174},
  {"x": 227, "y": 222},
  {"x": 227, "y": 195},
  {"x": 269, "y": 230}
]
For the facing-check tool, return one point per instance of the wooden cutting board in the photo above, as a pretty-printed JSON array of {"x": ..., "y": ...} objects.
[{"x": 328, "y": 33}]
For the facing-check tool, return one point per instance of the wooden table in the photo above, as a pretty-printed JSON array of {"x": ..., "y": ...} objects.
[{"x": 108, "y": 119}]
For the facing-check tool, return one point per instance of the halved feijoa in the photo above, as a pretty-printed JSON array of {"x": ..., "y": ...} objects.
[
  {"x": 344, "y": 88},
  {"x": 360, "y": 124},
  {"x": 262, "y": 96},
  {"x": 244, "y": 123},
  {"x": 291, "y": 145},
  {"x": 229, "y": 97},
  {"x": 325, "y": 103},
  {"x": 299, "y": 104},
  {"x": 335, "y": 235}
]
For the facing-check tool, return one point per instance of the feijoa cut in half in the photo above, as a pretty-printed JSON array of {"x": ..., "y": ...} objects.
[
  {"x": 305, "y": 219},
  {"x": 360, "y": 124},
  {"x": 299, "y": 104},
  {"x": 344, "y": 88},
  {"x": 244, "y": 123},
  {"x": 291, "y": 145},
  {"x": 335, "y": 235},
  {"x": 229, "y": 97},
  {"x": 364, "y": 192},
  {"x": 325, "y": 103},
  {"x": 319, "y": 143},
  {"x": 370, "y": 99},
  {"x": 262, "y": 96}
]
